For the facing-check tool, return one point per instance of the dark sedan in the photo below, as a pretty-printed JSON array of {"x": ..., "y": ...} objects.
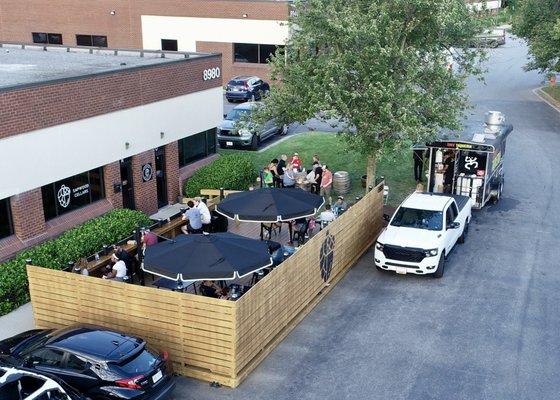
[
  {"x": 100, "y": 363},
  {"x": 244, "y": 88}
]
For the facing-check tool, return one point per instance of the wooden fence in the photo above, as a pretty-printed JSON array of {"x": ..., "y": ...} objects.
[{"x": 211, "y": 339}]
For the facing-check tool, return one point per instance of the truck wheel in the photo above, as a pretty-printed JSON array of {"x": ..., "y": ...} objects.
[
  {"x": 499, "y": 193},
  {"x": 440, "y": 267},
  {"x": 463, "y": 236}
]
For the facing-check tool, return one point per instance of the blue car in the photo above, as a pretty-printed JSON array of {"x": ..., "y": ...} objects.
[{"x": 245, "y": 88}]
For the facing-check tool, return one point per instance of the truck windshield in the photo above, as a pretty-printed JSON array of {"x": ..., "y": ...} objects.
[{"x": 419, "y": 219}]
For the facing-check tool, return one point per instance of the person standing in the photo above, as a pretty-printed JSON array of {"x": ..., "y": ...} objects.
[
  {"x": 193, "y": 218},
  {"x": 316, "y": 185},
  {"x": 448, "y": 172},
  {"x": 268, "y": 178},
  {"x": 315, "y": 162},
  {"x": 205, "y": 216},
  {"x": 281, "y": 168},
  {"x": 326, "y": 184},
  {"x": 418, "y": 156},
  {"x": 296, "y": 162}
]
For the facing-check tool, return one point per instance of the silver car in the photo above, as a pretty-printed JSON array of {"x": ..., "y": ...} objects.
[{"x": 236, "y": 130}]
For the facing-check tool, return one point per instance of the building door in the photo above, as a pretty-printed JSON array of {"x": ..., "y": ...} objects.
[
  {"x": 127, "y": 184},
  {"x": 161, "y": 177}
]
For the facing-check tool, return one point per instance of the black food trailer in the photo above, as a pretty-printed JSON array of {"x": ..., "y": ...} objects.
[{"x": 469, "y": 163}]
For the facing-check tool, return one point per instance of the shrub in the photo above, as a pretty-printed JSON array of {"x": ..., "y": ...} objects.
[
  {"x": 81, "y": 241},
  {"x": 231, "y": 171}
]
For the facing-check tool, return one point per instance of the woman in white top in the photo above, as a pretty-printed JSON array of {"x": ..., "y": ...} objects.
[{"x": 118, "y": 272}]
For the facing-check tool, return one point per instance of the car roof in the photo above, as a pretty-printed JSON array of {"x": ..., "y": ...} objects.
[
  {"x": 243, "y": 77},
  {"x": 249, "y": 105},
  {"x": 426, "y": 201},
  {"x": 95, "y": 342}
]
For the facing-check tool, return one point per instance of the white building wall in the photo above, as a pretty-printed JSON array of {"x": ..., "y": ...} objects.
[
  {"x": 490, "y": 5},
  {"x": 187, "y": 31},
  {"x": 36, "y": 158}
]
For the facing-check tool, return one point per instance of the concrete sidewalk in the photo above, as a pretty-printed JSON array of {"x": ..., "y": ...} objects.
[{"x": 17, "y": 321}]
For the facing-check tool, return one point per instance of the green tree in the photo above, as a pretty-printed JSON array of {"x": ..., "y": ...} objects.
[
  {"x": 378, "y": 68},
  {"x": 538, "y": 21}
]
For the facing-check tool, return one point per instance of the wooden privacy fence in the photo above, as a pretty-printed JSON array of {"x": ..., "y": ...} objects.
[{"x": 212, "y": 339}]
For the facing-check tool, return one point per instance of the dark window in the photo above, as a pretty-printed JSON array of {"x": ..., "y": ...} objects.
[
  {"x": 197, "y": 147},
  {"x": 247, "y": 53},
  {"x": 253, "y": 53},
  {"x": 72, "y": 193},
  {"x": 76, "y": 363},
  {"x": 91, "y": 40},
  {"x": 47, "y": 38},
  {"x": 48, "y": 357},
  {"x": 6, "y": 228},
  {"x": 169, "y": 44}
]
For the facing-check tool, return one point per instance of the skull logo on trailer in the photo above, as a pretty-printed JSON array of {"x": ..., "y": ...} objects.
[{"x": 326, "y": 257}]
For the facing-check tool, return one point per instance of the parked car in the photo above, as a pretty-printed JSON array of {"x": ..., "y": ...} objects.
[
  {"x": 422, "y": 233},
  {"x": 24, "y": 384},
  {"x": 100, "y": 363},
  {"x": 490, "y": 38},
  {"x": 236, "y": 130},
  {"x": 244, "y": 88}
]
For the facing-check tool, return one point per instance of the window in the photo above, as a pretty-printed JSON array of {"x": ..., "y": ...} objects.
[
  {"x": 91, "y": 40},
  {"x": 450, "y": 216},
  {"x": 6, "y": 227},
  {"x": 75, "y": 363},
  {"x": 253, "y": 53},
  {"x": 47, "y": 38},
  {"x": 72, "y": 193},
  {"x": 47, "y": 357},
  {"x": 169, "y": 45},
  {"x": 197, "y": 147}
]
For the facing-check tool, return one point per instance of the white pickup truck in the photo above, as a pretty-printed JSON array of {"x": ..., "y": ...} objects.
[{"x": 422, "y": 233}]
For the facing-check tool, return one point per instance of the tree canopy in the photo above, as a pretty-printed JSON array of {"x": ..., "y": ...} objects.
[
  {"x": 538, "y": 21},
  {"x": 378, "y": 67}
]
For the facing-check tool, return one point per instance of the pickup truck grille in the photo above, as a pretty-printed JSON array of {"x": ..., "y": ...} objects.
[{"x": 403, "y": 254}]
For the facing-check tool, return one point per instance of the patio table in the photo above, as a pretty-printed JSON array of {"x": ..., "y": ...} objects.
[{"x": 174, "y": 285}]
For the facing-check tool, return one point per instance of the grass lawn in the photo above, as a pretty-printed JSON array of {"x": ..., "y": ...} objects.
[
  {"x": 553, "y": 91},
  {"x": 397, "y": 170}
]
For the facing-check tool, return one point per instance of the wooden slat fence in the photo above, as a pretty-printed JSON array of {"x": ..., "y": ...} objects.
[{"x": 211, "y": 339}]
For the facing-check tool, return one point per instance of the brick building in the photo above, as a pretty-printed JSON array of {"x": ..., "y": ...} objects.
[
  {"x": 87, "y": 130},
  {"x": 244, "y": 31}
]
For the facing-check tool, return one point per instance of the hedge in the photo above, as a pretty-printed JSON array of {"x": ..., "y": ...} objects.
[
  {"x": 81, "y": 241},
  {"x": 231, "y": 171}
]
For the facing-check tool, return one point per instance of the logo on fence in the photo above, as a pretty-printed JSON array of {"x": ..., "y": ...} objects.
[
  {"x": 326, "y": 257},
  {"x": 63, "y": 196}
]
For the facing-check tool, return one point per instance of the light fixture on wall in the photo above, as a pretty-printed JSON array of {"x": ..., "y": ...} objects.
[
  {"x": 112, "y": 12},
  {"x": 161, "y": 135},
  {"x": 245, "y": 15},
  {"x": 126, "y": 145}
]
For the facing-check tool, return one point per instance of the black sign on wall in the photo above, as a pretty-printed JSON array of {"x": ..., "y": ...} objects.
[{"x": 147, "y": 172}]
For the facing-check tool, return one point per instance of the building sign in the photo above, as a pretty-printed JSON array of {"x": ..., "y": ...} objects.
[
  {"x": 211, "y": 73},
  {"x": 147, "y": 172},
  {"x": 72, "y": 193}
]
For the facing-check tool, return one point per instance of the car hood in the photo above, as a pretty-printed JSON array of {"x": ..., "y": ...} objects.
[{"x": 410, "y": 237}]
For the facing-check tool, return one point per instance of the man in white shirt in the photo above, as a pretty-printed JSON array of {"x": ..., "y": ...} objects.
[
  {"x": 118, "y": 272},
  {"x": 204, "y": 214},
  {"x": 327, "y": 216}
]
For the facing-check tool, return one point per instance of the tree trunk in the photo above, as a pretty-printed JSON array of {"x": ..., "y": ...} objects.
[{"x": 370, "y": 171}]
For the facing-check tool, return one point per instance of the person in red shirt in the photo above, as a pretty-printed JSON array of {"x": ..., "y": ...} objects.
[
  {"x": 326, "y": 184},
  {"x": 296, "y": 162}
]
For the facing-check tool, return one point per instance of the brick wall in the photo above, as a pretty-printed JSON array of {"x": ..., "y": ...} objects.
[
  {"x": 27, "y": 214},
  {"x": 172, "y": 171},
  {"x": 123, "y": 29},
  {"x": 112, "y": 175},
  {"x": 145, "y": 193},
  {"x": 231, "y": 68},
  {"x": 45, "y": 105}
]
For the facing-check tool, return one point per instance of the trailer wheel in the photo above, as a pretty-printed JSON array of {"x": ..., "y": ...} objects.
[
  {"x": 499, "y": 192},
  {"x": 441, "y": 266}
]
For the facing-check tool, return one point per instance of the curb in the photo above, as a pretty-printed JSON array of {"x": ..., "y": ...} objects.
[{"x": 547, "y": 98}]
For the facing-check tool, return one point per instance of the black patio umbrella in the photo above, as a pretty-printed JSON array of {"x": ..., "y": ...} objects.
[
  {"x": 218, "y": 256},
  {"x": 270, "y": 205}
]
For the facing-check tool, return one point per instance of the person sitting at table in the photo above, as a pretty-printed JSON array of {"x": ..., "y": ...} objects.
[
  {"x": 148, "y": 238},
  {"x": 205, "y": 216},
  {"x": 123, "y": 255},
  {"x": 118, "y": 272},
  {"x": 210, "y": 289},
  {"x": 289, "y": 177},
  {"x": 194, "y": 219},
  {"x": 268, "y": 178},
  {"x": 327, "y": 216},
  {"x": 339, "y": 206},
  {"x": 81, "y": 267}
]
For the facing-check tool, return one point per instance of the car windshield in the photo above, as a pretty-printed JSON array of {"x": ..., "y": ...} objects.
[
  {"x": 419, "y": 219},
  {"x": 237, "y": 114}
]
